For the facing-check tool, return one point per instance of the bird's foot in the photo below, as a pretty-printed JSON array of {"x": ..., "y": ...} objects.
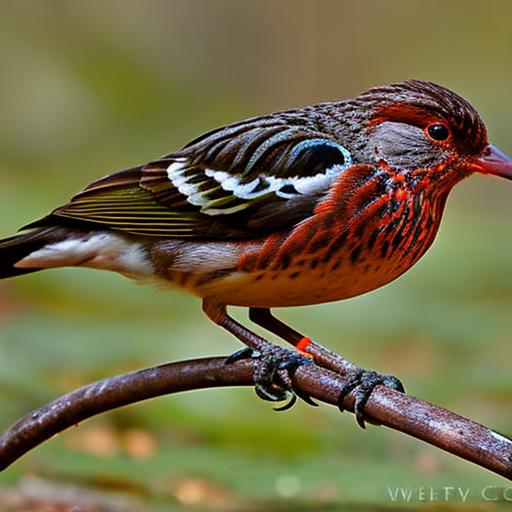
[
  {"x": 363, "y": 382},
  {"x": 274, "y": 372}
]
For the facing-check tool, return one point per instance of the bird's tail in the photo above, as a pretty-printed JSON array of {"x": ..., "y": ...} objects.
[
  {"x": 17, "y": 247},
  {"x": 73, "y": 246}
]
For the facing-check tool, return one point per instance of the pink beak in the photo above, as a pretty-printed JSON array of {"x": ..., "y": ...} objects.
[{"x": 494, "y": 162}]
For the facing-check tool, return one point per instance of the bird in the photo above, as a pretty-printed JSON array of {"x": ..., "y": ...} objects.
[{"x": 304, "y": 206}]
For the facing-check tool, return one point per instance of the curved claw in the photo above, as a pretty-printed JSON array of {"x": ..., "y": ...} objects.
[
  {"x": 264, "y": 393},
  {"x": 390, "y": 381},
  {"x": 291, "y": 365},
  {"x": 364, "y": 382},
  {"x": 288, "y": 405},
  {"x": 305, "y": 397},
  {"x": 349, "y": 386},
  {"x": 359, "y": 406},
  {"x": 273, "y": 374},
  {"x": 239, "y": 355}
]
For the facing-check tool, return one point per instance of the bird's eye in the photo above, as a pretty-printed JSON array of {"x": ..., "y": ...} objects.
[{"x": 438, "y": 132}]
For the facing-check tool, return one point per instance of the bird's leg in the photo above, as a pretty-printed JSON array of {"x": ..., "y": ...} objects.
[
  {"x": 361, "y": 380},
  {"x": 275, "y": 364},
  {"x": 322, "y": 356}
]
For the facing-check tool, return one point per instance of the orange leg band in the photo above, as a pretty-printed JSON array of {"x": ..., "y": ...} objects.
[{"x": 303, "y": 344}]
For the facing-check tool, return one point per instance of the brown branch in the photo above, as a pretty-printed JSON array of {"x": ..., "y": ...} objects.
[{"x": 427, "y": 422}]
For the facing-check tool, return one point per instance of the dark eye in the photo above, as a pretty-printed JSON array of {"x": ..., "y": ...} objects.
[{"x": 438, "y": 132}]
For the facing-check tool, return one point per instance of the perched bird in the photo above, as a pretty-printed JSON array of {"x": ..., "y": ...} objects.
[{"x": 299, "y": 207}]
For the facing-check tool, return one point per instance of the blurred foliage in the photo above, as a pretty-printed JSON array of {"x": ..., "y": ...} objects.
[{"x": 89, "y": 87}]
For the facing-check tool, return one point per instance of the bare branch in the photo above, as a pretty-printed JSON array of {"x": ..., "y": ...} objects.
[{"x": 427, "y": 422}]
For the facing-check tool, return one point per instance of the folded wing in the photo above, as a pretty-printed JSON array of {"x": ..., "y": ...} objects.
[{"x": 256, "y": 176}]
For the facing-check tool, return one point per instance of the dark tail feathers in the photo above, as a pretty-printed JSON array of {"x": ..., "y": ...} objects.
[{"x": 16, "y": 247}]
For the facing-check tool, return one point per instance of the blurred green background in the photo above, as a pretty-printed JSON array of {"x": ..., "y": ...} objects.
[{"x": 90, "y": 87}]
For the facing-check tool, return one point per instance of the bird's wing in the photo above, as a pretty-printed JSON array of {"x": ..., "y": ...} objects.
[{"x": 235, "y": 182}]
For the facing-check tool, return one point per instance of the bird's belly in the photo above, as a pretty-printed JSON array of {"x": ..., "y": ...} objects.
[
  {"x": 288, "y": 279},
  {"x": 300, "y": 286}
]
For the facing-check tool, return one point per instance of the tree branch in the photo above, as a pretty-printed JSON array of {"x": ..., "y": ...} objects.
[{"x": 407, "y": 414}]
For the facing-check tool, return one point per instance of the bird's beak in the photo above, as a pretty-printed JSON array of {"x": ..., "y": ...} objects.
[{"x": 494, "y": 162}]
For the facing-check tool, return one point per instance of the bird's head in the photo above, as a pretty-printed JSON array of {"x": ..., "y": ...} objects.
[{"x": 417, "y": 127}]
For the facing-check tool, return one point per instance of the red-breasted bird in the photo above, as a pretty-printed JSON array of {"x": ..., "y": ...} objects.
[{"x": 299, "y": 207}]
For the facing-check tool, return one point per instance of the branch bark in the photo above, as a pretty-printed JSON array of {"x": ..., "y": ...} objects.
[{"x": 422, "y": 420}]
